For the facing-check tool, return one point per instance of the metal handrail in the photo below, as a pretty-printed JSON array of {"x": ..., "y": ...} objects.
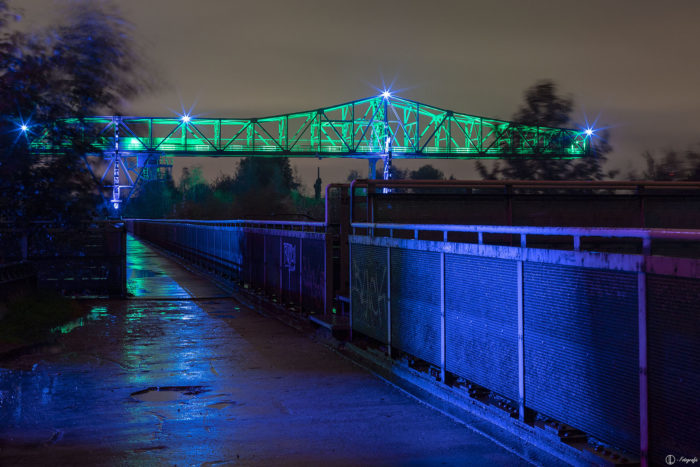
[
  {"x": 236, "y": 223},
  {"x": 668, "y": 234},
  {"x": 560, "y": 184},
  {"x": 646, "y": 235}
]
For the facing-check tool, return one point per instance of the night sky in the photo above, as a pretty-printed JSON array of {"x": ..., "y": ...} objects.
[{"x": 634, "y": 65}]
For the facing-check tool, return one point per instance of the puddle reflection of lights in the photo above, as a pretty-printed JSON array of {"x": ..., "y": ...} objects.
[{"x": 95, "y": 314}]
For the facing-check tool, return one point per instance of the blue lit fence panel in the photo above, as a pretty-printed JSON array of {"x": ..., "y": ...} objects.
[
  {"x": 289, "y": 265},
  {"x": 255, "y": 258},
  {"x": 581, "y": 352},
  {"x": 481, "y": 321},
  {"x": 313, "y": 273},
  {"x": 369, "y": 291},
  {"x": 272, "y": 265},
  {"x": 674, "y": 366},
  {"x": 579, "y": 363},
  {"x": 269, "y": 259},
  {"x": 415, "y": 303}
]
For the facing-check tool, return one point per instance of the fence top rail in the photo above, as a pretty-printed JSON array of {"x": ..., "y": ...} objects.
[
  {"x": 609, "y": 232},
  {"x": 236, "y": 223},
  {"x": 558, "y": 184}
]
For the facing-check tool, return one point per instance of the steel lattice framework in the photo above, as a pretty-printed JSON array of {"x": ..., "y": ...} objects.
[{"x": 384, "y": 126}]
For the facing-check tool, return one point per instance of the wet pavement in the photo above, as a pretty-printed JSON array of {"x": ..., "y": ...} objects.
[{"x": 202, "y": 379}]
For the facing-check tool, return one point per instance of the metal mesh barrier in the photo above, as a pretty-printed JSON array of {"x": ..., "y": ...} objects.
[
  {"x": 673, "y": 366},
  {"x": 272, "y": 264},
  {"x": 255, "y": 258},
  {"x": 313, "y": 280},
  {"x": 481, "y": 321},
  {"x": 415, "y": 303},
  {"x": 83, "y": 260},
  {"x": 369, "y": 291},
  {"x": 291, "y": 280},
  {"x": 581, "y": 349}
]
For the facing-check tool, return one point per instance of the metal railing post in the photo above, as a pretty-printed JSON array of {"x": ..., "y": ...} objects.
[
  {"x": 350, "y": 286},
  {"x": 281, "y": 267},
  {"x": 521, "y": 344},
  {"x": 443, "y": 340},
  {"x": 643, "y": 382},
  {"x": 388, "y": 300}
]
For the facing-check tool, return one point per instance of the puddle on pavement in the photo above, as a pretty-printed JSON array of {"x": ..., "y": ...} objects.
[
  {"x": 168, "y": 393},
  {"x": 220, "y": 405},
  {"x": 134, "y": 273},
  {"x": 95, "y": 314}
]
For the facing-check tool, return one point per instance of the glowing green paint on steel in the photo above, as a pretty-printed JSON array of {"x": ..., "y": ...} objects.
[{"x": 355, "y": 129}]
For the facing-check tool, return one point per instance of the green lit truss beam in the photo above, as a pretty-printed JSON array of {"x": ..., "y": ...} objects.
[
  {"x": 366, "y": 128},
  {"x": 129, "y": 150}
]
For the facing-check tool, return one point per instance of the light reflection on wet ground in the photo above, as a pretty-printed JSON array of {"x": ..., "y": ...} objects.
[
  {"x": 266, "y": 394},
  {"x": 150, "y": 275}
]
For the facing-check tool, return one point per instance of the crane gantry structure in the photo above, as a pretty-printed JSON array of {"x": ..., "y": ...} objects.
[{"x": 382, "y": 127}]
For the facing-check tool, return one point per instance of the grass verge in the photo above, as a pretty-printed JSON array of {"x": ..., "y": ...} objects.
[{"x": 29, "y": 319}]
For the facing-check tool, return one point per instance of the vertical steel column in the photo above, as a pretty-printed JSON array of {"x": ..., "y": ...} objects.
[
  {"x": 443, "y": 342},
  {"x": 643, "y": 382},
  {"x": 349, "y": 286},
  {"x": 249, "y": 260},
  {"x": 281, "y": 267},
  {"x": 521, "y": 346},
  {"x": 116, "y": 195},
  {"x": 388, "y": 300},
  {"x": 417, "y": 126},
  {"x": 264, "y": 284},
  {"x": 123, "y": 263},
  {"x": 328, "y": 272},
  {"x": 24, "y": 246},
  {"x": 301, "y": 284},
  {"x": 372, "y": 172}
]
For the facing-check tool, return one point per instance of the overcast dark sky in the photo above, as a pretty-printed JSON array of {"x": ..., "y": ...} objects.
[{"x": 636, "y": 64}]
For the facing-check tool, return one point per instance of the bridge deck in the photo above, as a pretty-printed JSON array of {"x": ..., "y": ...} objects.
[{"x": 235, "y": 388}]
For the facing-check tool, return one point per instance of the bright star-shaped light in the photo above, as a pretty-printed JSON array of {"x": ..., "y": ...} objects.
[
  {"x": 24, "y": 127},
  {"x": 386, "y": 94},
  {"x": 185, "y": 118},
  {"x": 589, "y": 132}
]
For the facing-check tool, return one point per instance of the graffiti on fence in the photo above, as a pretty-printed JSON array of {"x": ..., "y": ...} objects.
[
  {"x": 369, "y": 286},
  {"x": 290, "y": 256}
]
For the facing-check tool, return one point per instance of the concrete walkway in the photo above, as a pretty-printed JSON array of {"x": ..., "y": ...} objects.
[{"x": 227, "y": 387}]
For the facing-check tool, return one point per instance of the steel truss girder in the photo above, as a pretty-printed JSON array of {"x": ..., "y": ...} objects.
[
  {"x": 365, "y": 128},
  {"x": 135, "y": 169}
]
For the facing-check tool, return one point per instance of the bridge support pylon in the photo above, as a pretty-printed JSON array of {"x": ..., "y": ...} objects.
[{"x": 372, "y": 172}]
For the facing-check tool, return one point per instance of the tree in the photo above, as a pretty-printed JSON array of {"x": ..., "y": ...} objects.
[
  {"x": 543, "y": 106},
  {"x": 397, "y": 174},
  {"x": 273, "y": 173},
  {"x": 670, "y": 166},
  {"x": 156, "y": 200},
  {"x": 353, "y": 175},
  {"x": 427, "y": 172},
  {"x": 82, "y": 67},
  {"x": 263, "y": 187}
]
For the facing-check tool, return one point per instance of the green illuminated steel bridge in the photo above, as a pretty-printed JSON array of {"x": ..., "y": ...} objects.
[{"x": 381, "y": 127}]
